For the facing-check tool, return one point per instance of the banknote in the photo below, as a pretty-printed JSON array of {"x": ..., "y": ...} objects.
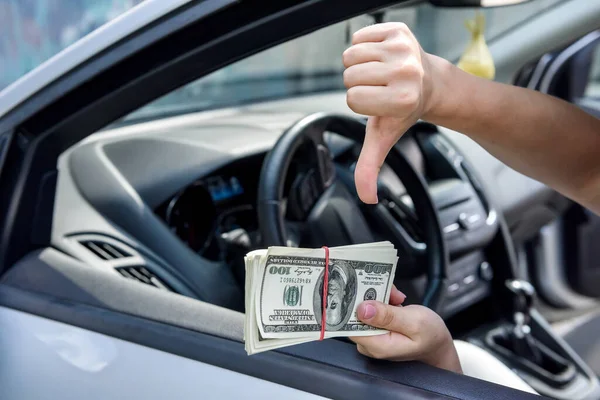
[{"x": 285, "y": 292}]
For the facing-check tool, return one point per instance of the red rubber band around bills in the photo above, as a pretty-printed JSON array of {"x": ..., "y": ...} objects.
[{"x": 325, "y": 290}]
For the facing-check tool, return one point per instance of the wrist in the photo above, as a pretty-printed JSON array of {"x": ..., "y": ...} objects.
[
  {"x": 439, "y": 93},
  {"x": 445, "y": 357}
]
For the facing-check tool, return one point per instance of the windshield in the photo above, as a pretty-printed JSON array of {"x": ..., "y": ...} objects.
[{"x": 313, "y": 63}]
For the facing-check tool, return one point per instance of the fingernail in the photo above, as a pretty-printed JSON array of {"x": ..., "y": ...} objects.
[{"x": 368, "y": 311}]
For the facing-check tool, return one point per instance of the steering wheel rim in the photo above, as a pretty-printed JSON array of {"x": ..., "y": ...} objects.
[{"x": 312, "y": 127}]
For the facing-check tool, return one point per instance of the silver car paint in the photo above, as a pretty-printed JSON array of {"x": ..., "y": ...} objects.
[{"x": 44, "y": 359}]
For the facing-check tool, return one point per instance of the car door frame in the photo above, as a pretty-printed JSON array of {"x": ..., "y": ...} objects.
[{"x": 183, "y": 45}]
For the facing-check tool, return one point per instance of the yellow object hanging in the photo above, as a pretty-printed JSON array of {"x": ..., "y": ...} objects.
[{"x": 477, "y": 59}]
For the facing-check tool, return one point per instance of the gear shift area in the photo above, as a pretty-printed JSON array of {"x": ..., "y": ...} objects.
[
  {"x": 526, "y": 344},
  {"x": 521, "y": 341}
]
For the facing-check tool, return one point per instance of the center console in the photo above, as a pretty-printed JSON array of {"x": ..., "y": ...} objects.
[
  {"x": 468, "y": 220},
  {"x": 482, "y": 270},
  {"x": 527, "y": 345}
]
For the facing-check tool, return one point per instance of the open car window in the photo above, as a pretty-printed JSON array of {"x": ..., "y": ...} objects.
[{"x": 298, "y": 67}]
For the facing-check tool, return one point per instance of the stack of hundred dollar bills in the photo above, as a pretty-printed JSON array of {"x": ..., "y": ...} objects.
[{"x": 284, "y": 292}]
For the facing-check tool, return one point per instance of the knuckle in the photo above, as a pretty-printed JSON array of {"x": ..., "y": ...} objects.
[
  {"x": 413, "y": 69},
  {"x": 353, "y": 98},
  {"x": 407, "y": 99},
  {"x": 397, "y": 45},
  {"x": 347, "y": 56},
  {"x": 407, "y": 72},
  {"x": 401, "y": 27},
  {"x": 347, "y": 78}
]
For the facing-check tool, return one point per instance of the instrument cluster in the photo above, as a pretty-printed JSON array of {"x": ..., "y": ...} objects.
[{"x": 216, "y": 213}]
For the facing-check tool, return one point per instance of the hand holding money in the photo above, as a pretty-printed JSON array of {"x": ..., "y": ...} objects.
[{"x": 285, "y": 292}]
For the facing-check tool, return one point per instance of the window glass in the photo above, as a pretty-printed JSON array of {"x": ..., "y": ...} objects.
[{"x": 32, "y": 31}]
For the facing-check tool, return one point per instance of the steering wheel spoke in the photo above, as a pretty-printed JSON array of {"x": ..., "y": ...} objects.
[
  {"x": 399, "y": 221},
  {"x": 326, "y": 167},
  {"x": 397, "y": 230},
  {"x": 304, "y": 193}
]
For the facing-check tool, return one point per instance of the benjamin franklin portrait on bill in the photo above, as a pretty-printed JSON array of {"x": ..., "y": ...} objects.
[{"x": 341, "y": 295}]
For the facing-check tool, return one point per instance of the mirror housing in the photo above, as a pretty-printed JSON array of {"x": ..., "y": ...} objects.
[{"x": 476, "y": 3}]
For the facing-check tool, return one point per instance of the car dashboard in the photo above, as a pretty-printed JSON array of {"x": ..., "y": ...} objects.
[
  {"x": 172, "y": 203},
  {"x": 215, "y": 207}
]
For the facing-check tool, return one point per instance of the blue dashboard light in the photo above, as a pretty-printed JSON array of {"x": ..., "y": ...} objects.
[
  {"x": 236, "y": 187},
  {"x": 221, "y": 189}
]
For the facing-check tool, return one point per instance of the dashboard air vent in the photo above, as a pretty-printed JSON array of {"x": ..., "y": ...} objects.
[
  {"x": 104, "y": 250},
  {"x": 141, "y": 274}
]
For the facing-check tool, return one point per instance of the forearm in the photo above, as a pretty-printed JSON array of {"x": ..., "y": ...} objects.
[{"x": 541, "y": 136}]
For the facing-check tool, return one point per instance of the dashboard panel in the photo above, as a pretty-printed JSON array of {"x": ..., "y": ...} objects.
[
  {"x": 167, "y": 187},
  {"x": 220, "y": 206},
  {"x": 216, "y": 217}
]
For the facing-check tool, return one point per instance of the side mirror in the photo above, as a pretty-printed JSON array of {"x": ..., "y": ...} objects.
[{"x": 476, "y": 3}]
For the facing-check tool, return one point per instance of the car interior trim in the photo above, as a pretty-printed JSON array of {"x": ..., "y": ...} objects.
[
  {"x": 549, "y": 270},
  {"x": 563, "y": 57}
]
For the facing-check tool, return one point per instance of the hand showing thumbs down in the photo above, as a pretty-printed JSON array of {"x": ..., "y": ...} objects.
[{"x": 389, "y": 79}]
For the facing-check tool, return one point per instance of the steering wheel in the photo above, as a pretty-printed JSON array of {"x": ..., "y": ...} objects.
[{"x": 330, "y": 214}]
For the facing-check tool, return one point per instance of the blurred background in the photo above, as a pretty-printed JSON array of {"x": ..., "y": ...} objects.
[{"x": 32, "y": 31}]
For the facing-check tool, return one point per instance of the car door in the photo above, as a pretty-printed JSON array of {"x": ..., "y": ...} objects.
[{"x": 78, "y": 332}]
